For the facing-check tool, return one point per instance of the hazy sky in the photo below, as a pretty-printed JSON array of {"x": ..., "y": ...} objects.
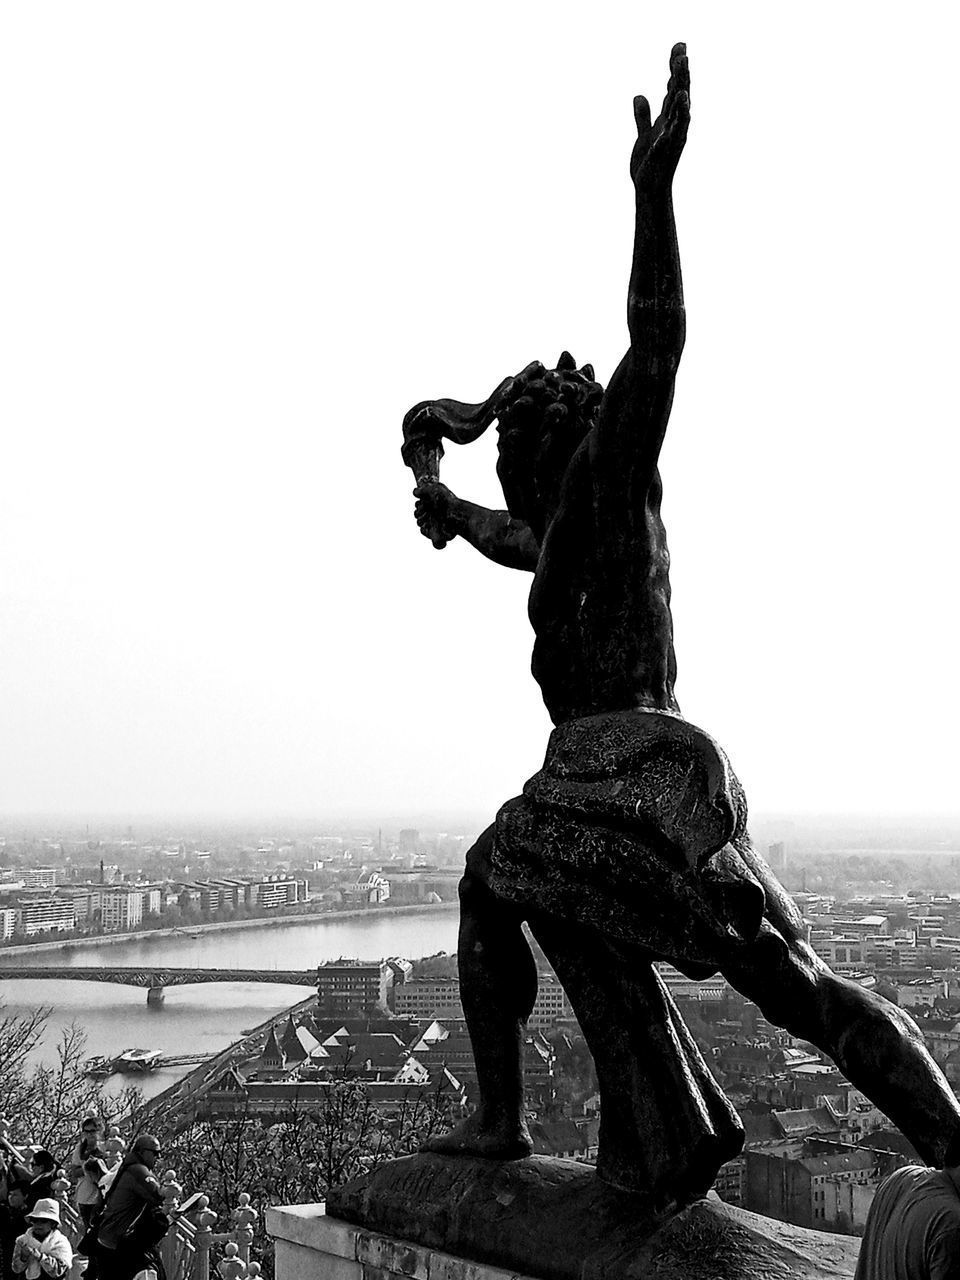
[{"x": 241, "y": 240}]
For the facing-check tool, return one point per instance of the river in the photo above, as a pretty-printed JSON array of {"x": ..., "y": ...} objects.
[{"x": 206, "y": 1018}]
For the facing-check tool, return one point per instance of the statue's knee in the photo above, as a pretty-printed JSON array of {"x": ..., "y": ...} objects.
[
  {"x": 478, "y": 864},
  {"x": 776, "y": 977}
]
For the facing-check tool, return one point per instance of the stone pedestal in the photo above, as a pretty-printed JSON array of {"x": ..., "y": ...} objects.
[
  {"x": 312, "y": 1246},
  {"x": 433, "y": 1217}
]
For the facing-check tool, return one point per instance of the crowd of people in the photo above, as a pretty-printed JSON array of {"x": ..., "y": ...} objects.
[{"x": 118, "y": 1203}]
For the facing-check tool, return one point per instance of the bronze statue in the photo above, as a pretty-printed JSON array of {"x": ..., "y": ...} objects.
[{"x": 630, "y": 845}]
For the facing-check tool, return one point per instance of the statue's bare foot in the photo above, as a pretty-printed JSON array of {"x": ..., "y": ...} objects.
[
  {"x": 502, "y": 1140},
  {"x": 659, "y": 145}
]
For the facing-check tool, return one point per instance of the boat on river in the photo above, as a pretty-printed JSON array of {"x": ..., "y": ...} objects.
[{"x": 138, "y": 1060}]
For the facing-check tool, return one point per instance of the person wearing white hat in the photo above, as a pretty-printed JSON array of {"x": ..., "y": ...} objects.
[{"x": 43, "y": 1249}]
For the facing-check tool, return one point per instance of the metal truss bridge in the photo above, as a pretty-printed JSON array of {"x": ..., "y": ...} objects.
[{"x": 156, "y": 981}]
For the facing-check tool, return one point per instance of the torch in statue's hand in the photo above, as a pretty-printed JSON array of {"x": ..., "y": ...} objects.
[
  {"x": 434, "y": 512},
  {"x": 422, "y": 451},
  {"x": 425, "y": 428}
]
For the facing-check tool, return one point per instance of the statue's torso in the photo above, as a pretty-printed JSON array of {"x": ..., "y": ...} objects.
[{"x": 600, "y": 601}]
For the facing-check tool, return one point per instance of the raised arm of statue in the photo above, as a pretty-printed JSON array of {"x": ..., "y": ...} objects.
[
  {"x": 636, "y": 407},
  {"x": 600, "y": 603},
  {"x": 496, "y": 534}
]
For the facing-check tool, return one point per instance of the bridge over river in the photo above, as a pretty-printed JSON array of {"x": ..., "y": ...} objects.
[{"x": 157, "y": 980}]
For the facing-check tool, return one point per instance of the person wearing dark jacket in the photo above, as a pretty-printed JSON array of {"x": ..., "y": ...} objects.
[
  {"x": 36, "y": 1177},
  {"x": 12, "y": 1209},
  {"x": 28, "y": 1177},
  {"x": 132, "y": 1222}
]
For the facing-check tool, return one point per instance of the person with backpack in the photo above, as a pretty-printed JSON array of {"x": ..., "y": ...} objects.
[{"x": 132, "y": 1222}]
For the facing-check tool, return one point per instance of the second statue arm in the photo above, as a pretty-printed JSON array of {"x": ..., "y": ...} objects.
[{"x": 495, "y": 534}]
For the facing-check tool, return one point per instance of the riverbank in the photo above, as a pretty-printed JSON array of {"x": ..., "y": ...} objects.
[{"x": 221, "y": 926}]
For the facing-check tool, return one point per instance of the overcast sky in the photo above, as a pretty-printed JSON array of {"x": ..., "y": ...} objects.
[{"x": 241, "y": 240}]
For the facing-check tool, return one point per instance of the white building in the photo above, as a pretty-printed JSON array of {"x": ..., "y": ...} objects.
[
  {"x": 374, "y": 886},
  {"x": 8, "y": 922},
  {"x": 551, "y": 1005},
  {"x": 422, "y": 998},
  {"x": 40, "y": 877},
  {"x": 45, "y": 915},
  {"x": 922, "y": 993},
  {"x": 843, "y": 953},
  {"x": 277, "y": 891},
  {"x": 121, "y": 908},
  {"x": 152, "y": 898}
]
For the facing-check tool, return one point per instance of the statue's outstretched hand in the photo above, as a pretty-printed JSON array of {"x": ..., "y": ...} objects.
[
  {"x": 659, "y": 145},
  {"x": 434, "y": 512}
]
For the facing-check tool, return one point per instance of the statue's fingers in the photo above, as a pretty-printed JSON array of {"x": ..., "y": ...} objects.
[
  {"x": 679, "y": 81},
  {"x": 678, "y": 117},
  {"x": 641, "y": 114}
]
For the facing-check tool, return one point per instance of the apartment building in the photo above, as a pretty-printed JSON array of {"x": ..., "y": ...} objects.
[
  {"x": 152, "y": 898},
  {"x": 121, "y": 908},
  {"x": 844, "y": 953},
  {"x": 551, "y": 1005},
  {"x": 45, "y": 915},
  {"x": 277, "y": 891},
  {"x": 85, "y": 899},
  {"x": 346, "y": 986},
  {"x": 40, "y": 877},
  {"x": 813, "y": 1184},
  {"x": 426, "y": 998}
]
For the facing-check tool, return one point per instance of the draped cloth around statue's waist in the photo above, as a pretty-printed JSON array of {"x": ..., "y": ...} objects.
[{"x": 636, "y": 824}]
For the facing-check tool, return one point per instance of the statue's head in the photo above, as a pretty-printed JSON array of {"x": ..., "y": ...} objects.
[{"x": 542, "y": 418}]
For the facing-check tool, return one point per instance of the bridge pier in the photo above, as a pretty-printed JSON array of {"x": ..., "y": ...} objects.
[{"x": 155, "y": 997}]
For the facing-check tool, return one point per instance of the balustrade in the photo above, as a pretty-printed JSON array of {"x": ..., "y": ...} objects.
[{"x": 188, "y": 1249}]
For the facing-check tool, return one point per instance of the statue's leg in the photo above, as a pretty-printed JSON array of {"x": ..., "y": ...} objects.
[
  {"x": 875, "y": 1044},
  {"x": 665, "y": 1125},
  {"x": 498, "y": 987}
]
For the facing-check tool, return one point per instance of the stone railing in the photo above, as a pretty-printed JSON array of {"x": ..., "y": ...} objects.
[{"x": 188, "y": 1249}]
